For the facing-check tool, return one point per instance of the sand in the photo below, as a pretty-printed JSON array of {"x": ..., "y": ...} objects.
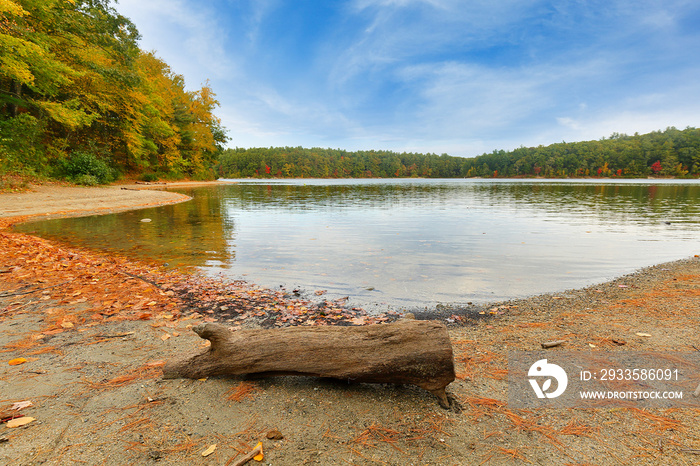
[
  {"x": 54, "y": 200},
  {"x": 94, "y": 332}
]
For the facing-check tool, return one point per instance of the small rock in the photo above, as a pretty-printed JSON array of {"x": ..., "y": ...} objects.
[
  {"x": 155, "y": 455},
  {"x": 275, "y": 435}
]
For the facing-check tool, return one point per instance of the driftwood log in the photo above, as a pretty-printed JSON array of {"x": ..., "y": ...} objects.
[{"x": 404, "y": 352}]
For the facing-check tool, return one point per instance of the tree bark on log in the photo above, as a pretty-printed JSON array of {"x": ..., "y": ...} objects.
[{"x": 404, "y": 352}]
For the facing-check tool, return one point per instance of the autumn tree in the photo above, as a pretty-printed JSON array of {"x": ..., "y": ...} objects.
[{"x": 73, "y": 82}]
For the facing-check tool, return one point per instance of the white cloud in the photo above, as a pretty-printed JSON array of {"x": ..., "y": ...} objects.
[
  {"x": 187, "y": 36},
  {"x": 420, "y": 75}
]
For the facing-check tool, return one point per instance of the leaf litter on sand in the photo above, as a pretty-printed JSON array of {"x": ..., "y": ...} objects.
[{"x": 104, "y": 289}]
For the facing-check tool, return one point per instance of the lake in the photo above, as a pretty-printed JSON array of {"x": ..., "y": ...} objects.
[{"x": 408, "y": 243}]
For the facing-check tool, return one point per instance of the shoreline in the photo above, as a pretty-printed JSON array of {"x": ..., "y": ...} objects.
[
  {"x": 95, "y": 331},
  {"x": 48, "y": 201}
]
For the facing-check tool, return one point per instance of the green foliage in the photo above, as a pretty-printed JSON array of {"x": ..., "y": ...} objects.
[
  {"x": 297, "y": 162},
  {"x": 72, "y": 76},
  {"x": 677, "y": 153},
  {"x": 86, "y": 180},
  {"x": 20, "y": 145},
  {"x": 88, "y": 169},
  {"x": 149, "y": 177}
]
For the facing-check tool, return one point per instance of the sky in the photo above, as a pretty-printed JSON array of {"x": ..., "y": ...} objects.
[{"x": 461, "y": 77}]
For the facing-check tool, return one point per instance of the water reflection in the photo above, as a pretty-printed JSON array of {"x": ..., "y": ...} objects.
[
  {"x": 409, "y": 242},
  {"x": 194, "y": 233}
]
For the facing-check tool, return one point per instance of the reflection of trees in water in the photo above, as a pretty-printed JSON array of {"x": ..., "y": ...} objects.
[
  {"x": 200, "y": 232},
  {"x": 608, "y": 202},
  {"x": 191, "y": 233}
]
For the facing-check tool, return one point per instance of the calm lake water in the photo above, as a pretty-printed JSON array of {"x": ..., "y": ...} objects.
[{"x": 408, "y": 243}]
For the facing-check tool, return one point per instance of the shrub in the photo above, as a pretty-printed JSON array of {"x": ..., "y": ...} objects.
[
  {"x": 149, "y": 177},
  {"x": 88, "y": 169},
  {"x": 20, "y": 147},
  {"x": 86, "y": 180}
]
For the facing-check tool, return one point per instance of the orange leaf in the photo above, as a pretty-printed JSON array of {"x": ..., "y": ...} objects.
[
  {"x": 17, "y": 361},
  {"x": 209, "y": 450},
  {"x": 20, "y": 421},
  {"x": 259, "y": 456}
]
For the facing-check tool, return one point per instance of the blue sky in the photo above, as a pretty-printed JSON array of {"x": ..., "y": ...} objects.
[{"x": 442, "y": 76}]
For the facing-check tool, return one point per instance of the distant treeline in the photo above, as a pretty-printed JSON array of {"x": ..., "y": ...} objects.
[
  {"x": 297, "y": 162},
  {"x": 661, "y": 153}
]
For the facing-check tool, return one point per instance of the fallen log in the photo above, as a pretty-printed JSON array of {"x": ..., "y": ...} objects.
[{"x": 404, "y": 352}]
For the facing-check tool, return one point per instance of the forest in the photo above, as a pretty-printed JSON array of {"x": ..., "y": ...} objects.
[
  {"x": 80, "y": 101},
  {"x": 669, "y": 153}
]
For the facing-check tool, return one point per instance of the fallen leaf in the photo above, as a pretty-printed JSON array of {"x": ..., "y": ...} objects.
[
  {"x": 67, "y": 324},
  {"x": 19, "y": 422},
  {"x": 21, "y": 405},
  {"x": 16, "y": 361},
  {"x": 259, "y": 456},
  {"x": 209, "y": 450},
  {"x": 165, "y": 336}
]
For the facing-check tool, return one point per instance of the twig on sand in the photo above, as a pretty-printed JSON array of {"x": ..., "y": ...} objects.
[
  {"x": 5, "y": 295},
  {"x": 252, "y": 454},
  {"x": 118, "y": 335},
  {"x": 552, "y": 344},
  {"x": 140, "y": 278}
]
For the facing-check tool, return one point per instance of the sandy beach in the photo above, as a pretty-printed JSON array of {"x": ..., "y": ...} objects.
[
  {"x": 83, "y": 338},
  {"x": 55, "y": 200}
]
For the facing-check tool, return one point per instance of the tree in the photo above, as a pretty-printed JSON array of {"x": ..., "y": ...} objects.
[{"x": 73, "y": 77}]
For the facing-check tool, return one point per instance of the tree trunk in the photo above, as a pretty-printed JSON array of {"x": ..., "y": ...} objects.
[{"x": 403, "y": 352}]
